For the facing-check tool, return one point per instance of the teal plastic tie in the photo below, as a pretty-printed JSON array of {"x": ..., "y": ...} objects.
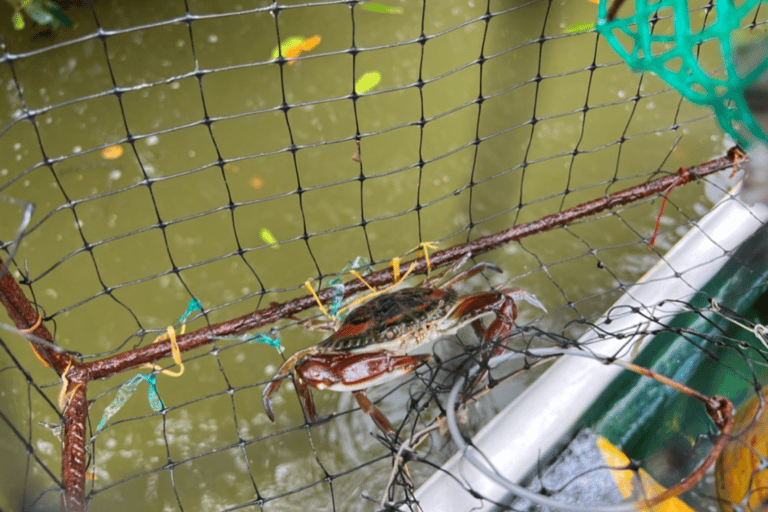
[
  {"x": 194, "y": 305},
  {"x": 126, "y": 391},
  {"x": 678, "y": 65},
  {"x": 359, "y": 263}
]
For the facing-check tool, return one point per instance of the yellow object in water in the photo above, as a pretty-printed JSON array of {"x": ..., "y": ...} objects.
[
  {"x": 112, "y": 152},
  {"x": 294, "y": 46},
  {"x": 627, "y": 480},
  {"x": 268, "y": 237},
  {"x": 367, "y": 82},
  {"x": 739, "y": 463}
]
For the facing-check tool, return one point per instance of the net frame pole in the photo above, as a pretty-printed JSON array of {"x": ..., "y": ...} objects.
[{"x": 26, "y": 318}]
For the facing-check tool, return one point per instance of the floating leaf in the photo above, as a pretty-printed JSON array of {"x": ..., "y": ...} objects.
[
  {"x": 286, "y": 45},
  {"x": 367, "y": 82},
  {"x": 18, "y": 20},
  {"x": 628, "y": 480},
  {"x": 383, "y": 9},
  {"x": 585, "y": 26},
  {"x": 112, "y": 152},
  {"x": 268, "y": 237},
  {"x": 310, "y": 43},
  {"x": 739, "y": 471},
  {"x": 296, "y": 50}
]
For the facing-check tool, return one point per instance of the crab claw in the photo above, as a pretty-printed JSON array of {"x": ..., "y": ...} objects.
[
  {"x": 283, "y": 372},
  {"x": 274, "y": 384}
]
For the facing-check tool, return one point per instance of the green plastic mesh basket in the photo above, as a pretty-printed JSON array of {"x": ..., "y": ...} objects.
[{"x": 673, "y": 56}]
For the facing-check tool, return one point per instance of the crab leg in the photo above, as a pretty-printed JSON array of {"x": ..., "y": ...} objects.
[
  {"x": 371, "y": 410},
  {"x": 284, "y": 371},
  {"x": 355, "y": 373},
  {"x": 503, "y": 304},
  {"x": 470, "y": 272}
]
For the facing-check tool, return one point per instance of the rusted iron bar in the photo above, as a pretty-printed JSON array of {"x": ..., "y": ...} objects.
[
  {"x": 24, "y": 317},
  {"x": 28, "y": 320},
  {"x": 73, "y": 457},
  {"x": 137, "y": 357}
]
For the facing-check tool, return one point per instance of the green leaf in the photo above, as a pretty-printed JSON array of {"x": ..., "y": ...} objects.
[
  {"x": 585, "y": 26},
  {"x": 367, "y": 82},
  {"x": 268, "y": 237},
  {"x": 288, "y": 43},
  {"x": 18, "y": 20},
  {"x": 383, "y": 9}
]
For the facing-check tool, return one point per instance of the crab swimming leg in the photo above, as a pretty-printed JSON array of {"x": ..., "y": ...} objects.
[
  {"x": 285, "y": 370},
  {"x": 371, "y": 410}
]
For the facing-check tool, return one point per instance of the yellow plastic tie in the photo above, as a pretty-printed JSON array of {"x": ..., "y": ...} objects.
[
  {"x": 395, "y": 268},
  {"x": 65, "y": 397},
  {"x": 175, "y": 353},
  {"x": 376, "y": 293},
  {"x": 35, "y": 326},
  {"x": 29, "y": 330},
  {"x": 424, "y": 246},
  {"x": 357, "y": 275},
  {"x": 317, "y": 299}
]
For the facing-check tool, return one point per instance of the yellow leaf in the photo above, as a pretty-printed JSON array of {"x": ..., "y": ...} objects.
[
  {"x": 268, "y": 237},
  {"x": 739, "y": 461},
  {"x": 383, "y": 9},
  {"x": 627, "y": 479},
  {"x": 286, "y": 45},
  {"x": 112, "y": 152},
  {"x": 576, "y": 28},
  {"x": 367, "y": 82}
]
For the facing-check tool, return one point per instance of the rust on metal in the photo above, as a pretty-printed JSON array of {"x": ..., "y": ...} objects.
[
  {"x": 27, "y": 320},
  {"x": 73, "y": 457}
]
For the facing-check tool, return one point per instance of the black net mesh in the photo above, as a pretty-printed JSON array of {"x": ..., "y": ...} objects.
[{"x": 170, "y": 158}]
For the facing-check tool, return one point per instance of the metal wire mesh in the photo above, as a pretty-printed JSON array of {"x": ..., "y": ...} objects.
[{"x": 170, "y": 158}]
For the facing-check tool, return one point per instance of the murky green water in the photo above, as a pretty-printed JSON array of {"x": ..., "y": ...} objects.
[{"x": 213, "y": 446}]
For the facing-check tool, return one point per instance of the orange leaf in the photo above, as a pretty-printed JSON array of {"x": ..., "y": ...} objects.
[{"x": 310, "y": 43}]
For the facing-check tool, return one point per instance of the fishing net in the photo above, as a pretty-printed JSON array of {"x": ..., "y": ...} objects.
[{"x": 184, "y": 182}]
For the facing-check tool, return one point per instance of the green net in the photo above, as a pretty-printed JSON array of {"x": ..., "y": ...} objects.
[{"x": 675, "y": 56}]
